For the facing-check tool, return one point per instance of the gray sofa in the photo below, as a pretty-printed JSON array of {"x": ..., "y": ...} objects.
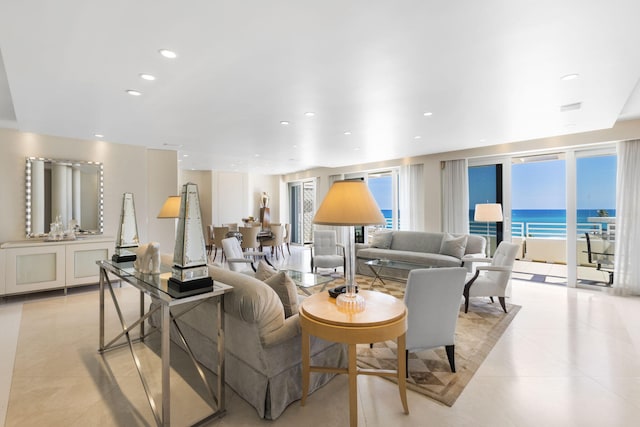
[
  {"x": 429, "y": 249},
  {"x": 262, "y": 348}
]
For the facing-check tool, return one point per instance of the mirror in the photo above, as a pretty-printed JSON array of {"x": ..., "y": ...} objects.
[{"x": 66, "y": 191}]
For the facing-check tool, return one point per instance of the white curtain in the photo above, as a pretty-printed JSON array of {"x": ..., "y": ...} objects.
[
  {"x": 455, "y": 197},
  {"x": 627, "y": 258},
  {"x": 411, "y": 197}
]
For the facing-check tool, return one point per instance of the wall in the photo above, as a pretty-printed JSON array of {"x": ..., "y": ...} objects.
[{"x": 126, "y": 169}]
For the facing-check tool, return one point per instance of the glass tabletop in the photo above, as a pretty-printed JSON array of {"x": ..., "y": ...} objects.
[
  {"x": 155, "y": 284},
  {"x": 307, "y": 280},
  {"x": 398, "y": 265}
]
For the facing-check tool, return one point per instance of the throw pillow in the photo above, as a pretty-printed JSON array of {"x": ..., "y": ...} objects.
[
  {"x": 382, "y": 239},
  {"x": 286, "y": 289},
  {"x": 264, "y": 271},
  {"x": 453, "y": 246}
]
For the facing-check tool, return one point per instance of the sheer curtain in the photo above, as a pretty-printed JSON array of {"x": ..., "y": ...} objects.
[
  {"x": 411, "y": 197},
  {"x": 455, "y": 197},
  {"x": 627, "y": 259}
]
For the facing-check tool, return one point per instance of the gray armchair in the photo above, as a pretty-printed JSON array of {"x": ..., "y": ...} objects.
[{"x": 325, "y": 252}]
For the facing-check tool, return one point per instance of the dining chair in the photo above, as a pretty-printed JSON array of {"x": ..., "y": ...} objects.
[
  {"x": 249, "y": 238},
  {"x": 219, "y": 233},
  {"x": 239, "y": 260},
  {"x": 275, "y": 241},
  {"x": 287, "y": 237},
  {"x": 210, "y": 243}
]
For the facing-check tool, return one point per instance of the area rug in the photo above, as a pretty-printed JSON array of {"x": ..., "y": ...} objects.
[{"x": 429, "y": 373}]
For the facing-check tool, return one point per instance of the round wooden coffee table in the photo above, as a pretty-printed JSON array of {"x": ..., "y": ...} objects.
[{"x": 384, "y": 318}]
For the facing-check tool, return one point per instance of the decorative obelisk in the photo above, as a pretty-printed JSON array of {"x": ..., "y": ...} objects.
[
  {"x": 190, "y": 271},
  {"x": 127, "y": 231}
]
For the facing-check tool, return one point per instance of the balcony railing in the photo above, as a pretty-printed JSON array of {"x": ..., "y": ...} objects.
[{"x": 535, "y": 229}]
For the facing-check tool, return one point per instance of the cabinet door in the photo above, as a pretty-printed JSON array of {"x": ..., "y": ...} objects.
[
  {"x": 81, "y": 265},
  {"x": 34, "y": 268}
]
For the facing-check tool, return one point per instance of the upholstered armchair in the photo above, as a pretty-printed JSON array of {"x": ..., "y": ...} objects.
[
  {"x": 492, "y": 280},
  {"x": 240, "y": 261},
  {"x": 325, "y": 252},
  {"x": 433, "y": 297}
]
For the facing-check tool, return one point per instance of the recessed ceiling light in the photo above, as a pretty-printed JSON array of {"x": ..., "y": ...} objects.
[
  {"x": 417, "y": 137},
  {"x": 356, "y": 149},
  {"x": 284, "y": 123},
  {"x": 483, "y": 140},
  {"x": 309, "y": 114},
  {"x": 295, "y": 146},
  {"x": 133, "y": 92},
  {"x": 98, "y": 135},
  {"x": 570, "y": 107},
  {"x": 256, "y": 155},
  {"x": 347, "y": 133},
  {"x": 185, "y": 155},
  {"x": 569, "y": 77},
  {"x": 168, "y": 53},
  {"x": 145, "y": 76},
  {"x": 427, "y": 114}
]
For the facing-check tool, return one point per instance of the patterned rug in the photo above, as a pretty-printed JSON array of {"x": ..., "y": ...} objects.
[{"x": 429, "y": 373}]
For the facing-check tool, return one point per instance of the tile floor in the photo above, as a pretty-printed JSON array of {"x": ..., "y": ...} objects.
[{"x": 571, "y": 357}]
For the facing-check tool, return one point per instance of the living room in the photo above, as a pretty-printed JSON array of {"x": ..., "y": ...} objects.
[{"x": 571, "y": 350}]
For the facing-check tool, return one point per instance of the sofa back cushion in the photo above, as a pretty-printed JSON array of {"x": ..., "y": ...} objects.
[
  {"x": 251, "y": 300},
  {"x": 382, "y": 239},
  {"x": 416, "y": 241}
]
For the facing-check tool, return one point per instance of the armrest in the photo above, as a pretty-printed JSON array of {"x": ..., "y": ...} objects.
[
  {"x": 493, "y": 268},
  {"x": 290, "y": 329},
  {"x": 476, "y": 258}
]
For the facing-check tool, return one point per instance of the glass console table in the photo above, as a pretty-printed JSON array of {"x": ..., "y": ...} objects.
[{"x": 168, "y": 303}]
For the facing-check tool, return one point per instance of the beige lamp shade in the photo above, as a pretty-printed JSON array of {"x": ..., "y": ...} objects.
[
  {"x": 349, "y": 203},
  {"x": 488, "y": 212},
  {"x": 170, "y": 208}
]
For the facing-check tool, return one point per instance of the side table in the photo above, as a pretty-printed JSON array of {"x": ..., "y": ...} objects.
[
  {"x": 384, "y": 318},
  {"x": 169, "y": 301}
]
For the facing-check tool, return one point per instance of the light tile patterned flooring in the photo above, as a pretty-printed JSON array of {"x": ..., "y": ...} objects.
[{"x": 571, "y": 357}]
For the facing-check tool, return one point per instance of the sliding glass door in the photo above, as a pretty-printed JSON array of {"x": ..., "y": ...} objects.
[{"x": 302, "y": 196}]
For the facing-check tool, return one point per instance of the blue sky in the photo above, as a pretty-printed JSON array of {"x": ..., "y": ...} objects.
[
  {"x": 542, "y": 185},
  {"x": 381, "y": 190}
]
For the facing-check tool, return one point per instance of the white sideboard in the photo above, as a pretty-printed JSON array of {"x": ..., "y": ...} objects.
[{"x": 38, "y": 265}]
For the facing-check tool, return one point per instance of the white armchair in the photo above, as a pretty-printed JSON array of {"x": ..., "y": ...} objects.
[
  {"x": 240, "y": 261},
  {"x": 492, "y": 280},
  {"x": 433, "y": 298},
  {"x": 325, "y": 252}
]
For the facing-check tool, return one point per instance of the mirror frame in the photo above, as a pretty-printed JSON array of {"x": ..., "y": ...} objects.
[{"x": 28, "y": 198}]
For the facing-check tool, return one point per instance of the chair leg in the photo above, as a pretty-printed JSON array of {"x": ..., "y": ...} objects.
[
  {"x": 406, "y": 358},
  {"x": 288, "y": 249},
  {"x": 451, "y": 356},
  {"x": 491, "y": 298},
  {"x": 502, "y": 303}
]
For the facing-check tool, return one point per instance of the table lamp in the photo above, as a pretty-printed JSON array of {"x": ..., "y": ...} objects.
[
  {"x": 349, "y": 203},
  {"x": 488, "y": 212},
  {"x": 170, "y": 208}
]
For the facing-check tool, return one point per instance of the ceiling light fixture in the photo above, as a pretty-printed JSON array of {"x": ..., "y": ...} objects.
[
  {"x": 309, "y": 114},
  {"x": 284, "y": 123},
  {"x": 98, "y": 135},
  {"x": 149, "y": 77},
  {"x": 168, "y": 53},
  {"x": 571, "y": 107},
  {"x": 347, "y": 133},
  {"x": 569, "y": 77},
  {"x": 133, "y": 92},
  {"x": 427, "y": 114},
  {"x": 417, "y": 137}
]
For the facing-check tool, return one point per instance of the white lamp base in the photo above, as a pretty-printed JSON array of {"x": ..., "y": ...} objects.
[{"x": 352, "y": 303}]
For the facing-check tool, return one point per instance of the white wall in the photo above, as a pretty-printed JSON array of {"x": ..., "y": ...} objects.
[{"x": 126, "y": 169}]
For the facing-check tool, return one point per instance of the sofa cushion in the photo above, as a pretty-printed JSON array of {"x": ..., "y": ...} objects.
[
  {"x": 416, "y": 241},
  {"x": 453, "y": 246},
  {"x": 286, "y": 289},
  {"x": 382, "y": 239},
  {"x": 264, "y": 271}
]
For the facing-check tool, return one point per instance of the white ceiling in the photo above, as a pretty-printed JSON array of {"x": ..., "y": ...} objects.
[{"x": 490, "y": 71}]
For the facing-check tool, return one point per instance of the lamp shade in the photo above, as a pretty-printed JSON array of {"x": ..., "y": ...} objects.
[
  {"x": 488, "y": 212},
  {"x": 349, "y": 203},
  {"x": 170, "y": 208}
]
